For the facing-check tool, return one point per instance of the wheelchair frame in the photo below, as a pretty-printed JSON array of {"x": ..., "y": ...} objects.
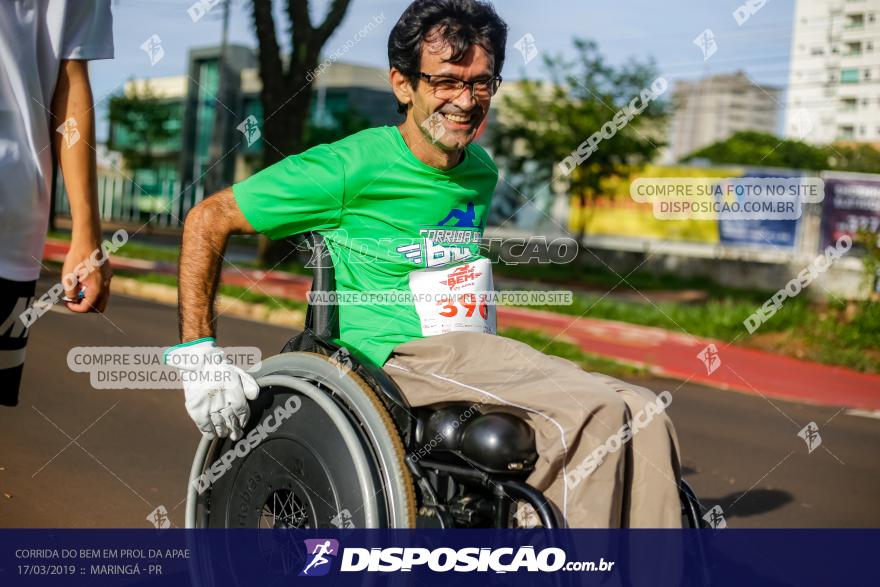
[{"x": 434, "y": 477}]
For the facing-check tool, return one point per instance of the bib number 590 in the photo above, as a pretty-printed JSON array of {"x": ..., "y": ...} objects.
[{"x": 468, "y": 302}]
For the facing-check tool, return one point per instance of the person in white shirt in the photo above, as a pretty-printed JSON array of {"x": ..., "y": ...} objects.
[{"x": 46, "y": 103}]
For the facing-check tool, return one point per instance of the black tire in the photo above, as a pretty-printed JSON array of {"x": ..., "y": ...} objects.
[{"x": 336, "y": 461}]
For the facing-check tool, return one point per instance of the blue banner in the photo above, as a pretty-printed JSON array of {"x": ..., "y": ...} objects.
[
  {"x": 760, "y": 233},
  {"x": 435, "y": 557}
]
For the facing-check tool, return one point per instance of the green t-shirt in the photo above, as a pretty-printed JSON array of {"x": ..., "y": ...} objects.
[{"x": 383, "y": 214}]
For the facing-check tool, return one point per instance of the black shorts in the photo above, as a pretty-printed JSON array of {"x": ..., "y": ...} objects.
[{"x": 15, "y": 298}]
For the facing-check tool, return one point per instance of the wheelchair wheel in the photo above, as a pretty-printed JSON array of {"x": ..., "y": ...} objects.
[{"x": 320, "y": 451}]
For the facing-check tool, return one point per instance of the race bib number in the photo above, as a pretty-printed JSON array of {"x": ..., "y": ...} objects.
[{"x": 455, "y": 298}]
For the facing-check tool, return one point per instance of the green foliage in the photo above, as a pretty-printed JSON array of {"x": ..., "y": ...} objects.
[
  {"x": 759, "y": 148},
  {"x": 544, "y": 122},
  {"x": 719, "y": 317},
  {"x": 860, "y": 332},
  {"x": 868, "y": 240},
  {"x": 863, "y": 158},
  {"x": 141, "y": 116},
  {"x": 848, "y": 333}
]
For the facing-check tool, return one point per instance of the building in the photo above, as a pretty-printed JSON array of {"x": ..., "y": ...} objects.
[
  {"x": 834, "y": 79},
  {"x": 341, "y": 90},
  {"x": 709, "y": 110}
]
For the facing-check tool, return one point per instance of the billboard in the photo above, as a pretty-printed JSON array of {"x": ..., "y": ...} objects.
[
  {"x": 852, "y": 203},
  {"x": 614, "y": 213}
]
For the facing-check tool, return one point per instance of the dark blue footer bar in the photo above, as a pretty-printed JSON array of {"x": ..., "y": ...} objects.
[{"x": 438, "y": 557}]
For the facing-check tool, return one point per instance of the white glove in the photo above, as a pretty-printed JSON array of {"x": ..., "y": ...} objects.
[{"x": 216, "y": 392}]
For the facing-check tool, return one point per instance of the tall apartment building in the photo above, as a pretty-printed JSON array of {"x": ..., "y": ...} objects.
[
  {"x": 834, "y": 81},
  {"x": 711, "y": 109}
]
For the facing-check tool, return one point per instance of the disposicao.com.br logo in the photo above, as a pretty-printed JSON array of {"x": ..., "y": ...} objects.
[{"x": 440, "y": 560}]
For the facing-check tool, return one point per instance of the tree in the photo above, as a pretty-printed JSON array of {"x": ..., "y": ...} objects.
[
  {"x": 750, "y": 147},
  {"x": 139, "y": 122},
  {"x": 541, "y": 123},
  {"x": 861, "y": 157},
  {"x": 766, "y": 150},
  {"x": 286, "y": 94}
]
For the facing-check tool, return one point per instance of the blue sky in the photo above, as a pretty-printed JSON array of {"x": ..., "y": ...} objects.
[{"x": 663, "y": 30}]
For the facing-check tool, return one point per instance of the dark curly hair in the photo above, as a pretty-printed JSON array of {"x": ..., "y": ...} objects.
[{"x": 460, "y": 23}]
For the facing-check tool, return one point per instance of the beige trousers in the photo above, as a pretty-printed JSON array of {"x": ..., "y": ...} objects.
[{"x": 577, "y": 416}]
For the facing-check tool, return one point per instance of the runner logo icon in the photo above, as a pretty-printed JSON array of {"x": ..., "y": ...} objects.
[
  {"x": 319, "y": 550},
  {"x": 463, "y": 218}
]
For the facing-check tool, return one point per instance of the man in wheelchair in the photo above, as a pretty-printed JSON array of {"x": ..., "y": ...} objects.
[{"x": 402, "y": 209}]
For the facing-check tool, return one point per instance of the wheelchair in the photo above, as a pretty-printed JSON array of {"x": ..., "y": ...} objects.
[{"x": 354, "y": 454}]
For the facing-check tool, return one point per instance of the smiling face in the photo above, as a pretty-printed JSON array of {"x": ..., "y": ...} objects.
[{"x": 448, "y": 122}]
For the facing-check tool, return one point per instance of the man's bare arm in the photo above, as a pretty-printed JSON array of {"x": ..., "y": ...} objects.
[{"x": 205, "y": 233}]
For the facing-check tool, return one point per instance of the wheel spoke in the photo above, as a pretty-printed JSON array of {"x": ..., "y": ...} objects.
[{"x": 284, "y": 509}]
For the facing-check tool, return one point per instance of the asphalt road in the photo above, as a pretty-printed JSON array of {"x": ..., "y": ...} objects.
[{"x": 73, "y": 456}]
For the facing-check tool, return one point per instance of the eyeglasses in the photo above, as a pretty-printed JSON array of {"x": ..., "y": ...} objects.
[{"x": 449, "y": 88}]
